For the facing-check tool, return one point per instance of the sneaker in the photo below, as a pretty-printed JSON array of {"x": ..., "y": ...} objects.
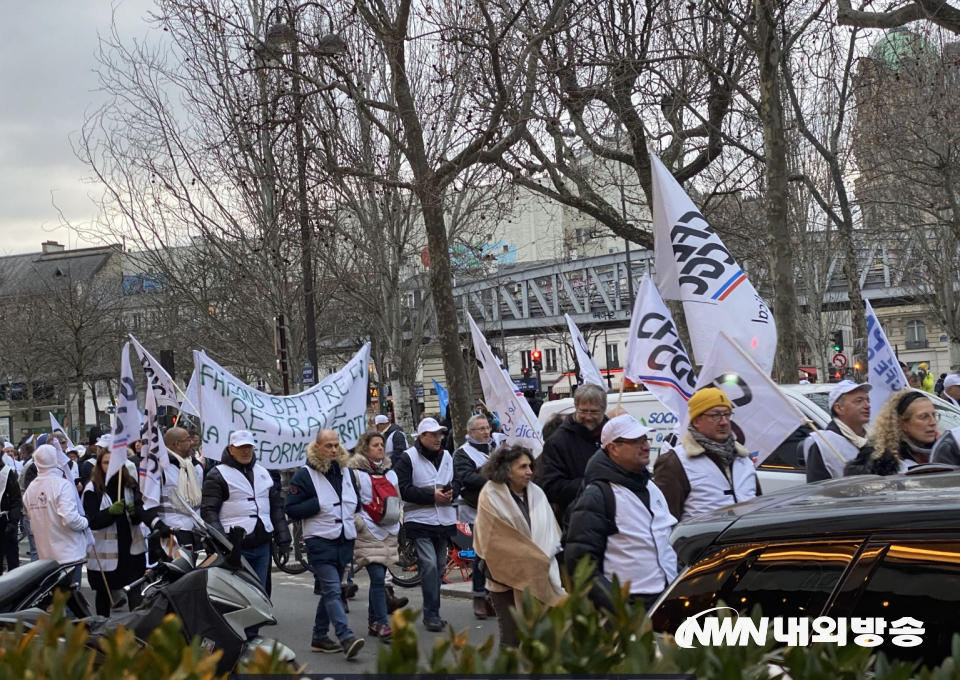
[
  {"x": 435, "y": 625},
  {"x": 325, "y": 645},
  {"x": 382, "y": 631},
  {"x": 352, "y": 646}
]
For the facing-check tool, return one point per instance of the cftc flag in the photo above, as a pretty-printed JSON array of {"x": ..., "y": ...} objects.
[
  {"x": 693, "y": 266},
  {"x": 126, "y": 426},
  {"x": 886, "y": 376},
  {"x": 517, "y": 420},
  {"x": 443, "y": 397},
  {"x": 764, "y": 414},
  {"x": 154, "y": 459},
  {"x": 655, "y": 354},
  {"x": 157, "y": 377},
  {"x": 589, "y": 371}
]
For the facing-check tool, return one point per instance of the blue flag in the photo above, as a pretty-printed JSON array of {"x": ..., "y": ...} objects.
[{"x": 444, "y": 398}]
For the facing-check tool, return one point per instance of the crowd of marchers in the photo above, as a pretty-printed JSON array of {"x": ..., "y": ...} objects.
[{"x": 590, "y": 495}]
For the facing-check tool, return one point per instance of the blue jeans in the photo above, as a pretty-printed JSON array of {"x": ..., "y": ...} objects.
[
  {"x": 33, "y": 544},
  {"x": 432, "y": 553},
  {"x": 259, "y": 559},
  {"x": 377, "y": 603},
  {"x": 328, "y": 561}
]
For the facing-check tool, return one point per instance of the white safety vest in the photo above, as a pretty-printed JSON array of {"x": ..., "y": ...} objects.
[
  {"x": 172, "y": 518},
  {"x": 640, "y": 552},
  {"x": 388, "y": 440},
  {"x": 425, "y": 475},
  {"x": 465, "y": 513},
  {"x": 246, "y": 503},
  {"x": 709, "y": 487},
  {"x": 336, "y": 514},
  {"x": 104, "y": 554},
  {"x": 834, "y": 463}
]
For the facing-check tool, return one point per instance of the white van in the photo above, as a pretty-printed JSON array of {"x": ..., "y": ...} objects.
[{"x": 780, "y": 470}]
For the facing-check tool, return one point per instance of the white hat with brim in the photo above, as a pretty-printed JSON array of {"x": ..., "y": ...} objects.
[
  {"x": 105, "y": 442},
  {"x": 429, "y": 425},
  {"x": 845, "y": 387},
  {"x": 951, "y": 381},
  {"x": 242, "y": 438},
  {"x": 381, "y": 420},
  {"x": 623, "y": 426}
]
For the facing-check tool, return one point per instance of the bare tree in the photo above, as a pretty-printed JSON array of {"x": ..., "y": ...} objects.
[{"x": 939, "y": 12}]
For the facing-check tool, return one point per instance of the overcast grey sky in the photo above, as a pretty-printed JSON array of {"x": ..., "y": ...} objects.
[{"x": 47, "y": 83}]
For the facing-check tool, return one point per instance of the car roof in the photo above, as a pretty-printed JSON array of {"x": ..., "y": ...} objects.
[{"x": 864, "y": 504}]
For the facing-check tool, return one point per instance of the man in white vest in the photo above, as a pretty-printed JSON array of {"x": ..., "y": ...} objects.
[
  {"x": 620, "y": 520},
  {"x": 240, "y": 493},
  {"x": 951, "y": 389},
  {"x": 467, "y": 461},
  {"x": 827, "y": 451},
  {"x": 428, "y": 489},
  {"x": 707, "y": 469},
  {"x": 184, "y": 475},
  {"x": 59, "y": 526},
  {"x": 324, "y": 495}
]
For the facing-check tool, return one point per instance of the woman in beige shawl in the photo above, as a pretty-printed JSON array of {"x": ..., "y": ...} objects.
[{"x": 517, "y": 536}]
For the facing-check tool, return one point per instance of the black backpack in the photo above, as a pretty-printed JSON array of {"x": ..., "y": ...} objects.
[{"x": 609, "y": 509}]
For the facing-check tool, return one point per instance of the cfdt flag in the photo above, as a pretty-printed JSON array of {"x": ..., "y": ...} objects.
[
  {"x": 764, "y": 414},
  {"x": 589, "y": 371},
  {"x": 655, "y": 355},
  {"x": 517, "y": 420},
  {"x": 886, "y": 376},
  {"x": 694, "y": 266}
]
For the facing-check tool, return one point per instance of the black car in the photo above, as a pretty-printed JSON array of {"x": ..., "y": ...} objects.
[{"x": 860, "y": 547}]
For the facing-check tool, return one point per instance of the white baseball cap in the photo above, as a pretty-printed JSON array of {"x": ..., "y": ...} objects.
[
  {"x": 381, "y": 420},
  {"x": 623, "y": 426},
  {"x": 429, "y": 425},
  {"x": 8, "y": 446},
  {"x": 951, "y": 380},
  {"x": 242, "y": 438},
  {"x": 105, "y": 441},
  {"x": 843, "y": 387}
]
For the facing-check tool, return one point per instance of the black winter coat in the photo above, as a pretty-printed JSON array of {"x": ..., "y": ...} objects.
[
  {"x": 946, "y": 450},
  {"x": 12, "y": 503},
  {"x": 564, "y": 460},
  {"x": 884, "y": 464},
  {"x": 129, "y": 567},
  {"x": 422, "y": 496},
  {"x": 590, "y": 525},
  {"x": 468, "y": 474},
  {"x": 216, "y": 492}
]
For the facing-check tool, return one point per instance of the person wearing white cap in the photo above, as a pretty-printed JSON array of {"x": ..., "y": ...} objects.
[
  {"x": 621, "y": 520},
  {"x": 51, "y": 502},
  {"x": 827, "y": 451},
  {"x": 8, "y": 458},
  {"x": 428, "y": 489},
  {"x": 395, "y": 441},
  {"x": 951, "y": 389},
  {"x": 11, "y": 511},
  {"x": 240, "y": 493}
]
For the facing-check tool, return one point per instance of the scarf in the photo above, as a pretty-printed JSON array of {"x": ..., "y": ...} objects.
[
  {"x": 517, "y": 554},
  {"x": 187, "y": 487},
  {"x": 850, "y": 435},
  {"x": 482, "y": 448},
  {"x": 726, "y": 451},
  {"x": 921, "y": 452}
]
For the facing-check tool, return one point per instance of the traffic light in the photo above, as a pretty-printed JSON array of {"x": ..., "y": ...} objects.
[
  {"x": 526, "y": 372},
  {"x": 836, "y": 341},
  {"x": 537, "y": 357}
]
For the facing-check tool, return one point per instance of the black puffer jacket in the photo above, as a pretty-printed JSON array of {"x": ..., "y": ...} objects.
[
  {"x": 872, "y": 462},
  {"x": 590, "y": 524},
  {"x": 564, "y": 460},
  {"x": 468, "y": 474},
  {"x": 216, "y": 492}
]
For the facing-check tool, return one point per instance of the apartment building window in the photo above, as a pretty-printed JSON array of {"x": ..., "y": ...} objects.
[
  {"x": 525, "y": 360},
  {"x": 550, "y": 356},
  {"x": 916, "y": 334},
  {"x": 613, "y": 356}
]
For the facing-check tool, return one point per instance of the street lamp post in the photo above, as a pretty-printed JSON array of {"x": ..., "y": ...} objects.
[{"x": 284, "y": 36}]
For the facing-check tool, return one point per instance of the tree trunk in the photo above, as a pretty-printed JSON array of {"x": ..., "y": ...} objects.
[
  {"x": 778, "y": 226},
  {"x": 81, "y": 403},
  {"x": 402, "y": 408},
  {"x": 441, "y": 287}
]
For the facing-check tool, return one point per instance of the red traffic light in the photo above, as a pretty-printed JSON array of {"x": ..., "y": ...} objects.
[{"x": 536, "y": 355}]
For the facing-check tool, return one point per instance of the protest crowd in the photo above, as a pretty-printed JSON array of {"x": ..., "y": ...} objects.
[{"x": 537, "y": 499}]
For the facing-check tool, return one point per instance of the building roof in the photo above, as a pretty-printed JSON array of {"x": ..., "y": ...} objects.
[
  {"x": 901, "y": 48},
  {"x": 34, "y": 273}
]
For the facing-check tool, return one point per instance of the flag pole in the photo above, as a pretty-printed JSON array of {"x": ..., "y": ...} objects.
[{"x": 623, "y": 381}]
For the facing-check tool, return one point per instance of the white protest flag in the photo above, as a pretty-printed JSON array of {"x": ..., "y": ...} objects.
[
  {"x": 693, "y": 266},
  {"x": 886, "y": 376},
  {"x": 589, "y": 371},
  {"x": 154, "y": 458},
  {"x": 192, "y": 395},
  {"x": 283, "y": 427},
  {"x": 764, "y": 414},
  {"x": 126, "y": 425},
  {"x": 517, "y": 420},
  {"x": 655, "y": 354},
  {"x": 157, "y": 377},
  {"x": 55, "y": 426}
]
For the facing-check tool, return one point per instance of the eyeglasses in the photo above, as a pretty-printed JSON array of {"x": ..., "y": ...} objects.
[
  {"x": 589, "y": 413},
  {"x": 717, "y": 417},
  {"x": 636, "y": 442},
  {"x": 927, "y": 417},
  {"x": 479, "y": 429}
]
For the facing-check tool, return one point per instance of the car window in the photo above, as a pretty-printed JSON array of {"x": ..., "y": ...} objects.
[
  {"x": 821, "y": 399},
  {"x": 788, "y": 456},
  {"x": 785, "y": 579},
  {"x": 919, "y": 579}
]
